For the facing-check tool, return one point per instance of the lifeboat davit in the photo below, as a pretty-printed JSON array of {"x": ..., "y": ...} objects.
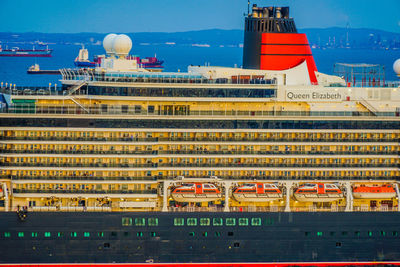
[
  {"x": 374, "y": 191},
  {"x": 318, "y": 192},
  {"x": 196, "y": 192},
  {"x": 257, "y": 192}
]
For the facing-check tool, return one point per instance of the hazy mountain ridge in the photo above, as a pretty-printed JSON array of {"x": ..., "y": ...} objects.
[{"x": 319, "y": 38}]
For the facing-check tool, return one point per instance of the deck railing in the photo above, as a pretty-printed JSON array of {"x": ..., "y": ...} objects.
[{"x": 113, "y": 110}]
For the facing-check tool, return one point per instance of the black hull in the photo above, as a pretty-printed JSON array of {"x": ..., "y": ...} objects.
[{"x": 282, "y": 237}]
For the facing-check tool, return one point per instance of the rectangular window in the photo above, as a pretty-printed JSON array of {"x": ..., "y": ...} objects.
[
  {"x": 140, "y": 221},
  {"x": 60, "y": 234},
  {"x": 73, "y": 234},
  {"x": 383, "y": 233},
  {"x": 191, "y": 234},
  {"x": 395, "y": 233},
  {"x": 139, "y": 234},
  {"x": 20, "y": 234},
  {"x": 138, "y": 109},
  {"x": 243, "y": 222},
  {"x": 256, "y": 221},
  {"x": 153, "y": 234},
  {"x": 369, "y": 233},
  {"x": 205, "y": 221},
  {"x": 150, "y": 109},
  {"x": 34, "y": 234},
  {"x": 319, "y": 233},
  {"x": 86, "y": 234},
  {"x": 218, "y": 222},
  {"x": 357, "y": 233},
  {"x": 179, "y": 221},
  {"x": 100, "y": 234},
  {"x": 126, "y": 221},
  {"x": 230, "y": 221},
  {"x": 152, "y": 221},
  {"x": 191, "y": 221},
  {"x": 47, "y": 234}
]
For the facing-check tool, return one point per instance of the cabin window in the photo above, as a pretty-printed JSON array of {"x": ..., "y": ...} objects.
[
  {"x": 126, "y": 221},
  {"x": 230, "y": 221},
  {"x": 152, "y": 221},
  {"x": 150, "y": 109},
  {"x": 60, "y": 234},
  {"x": 338, "y": 244},
  {"x": 243, "y": 222},
  {"x": 357, "y": 233},
  {"x": 138, "y": 109},
  {"x": 369, "y": 233},
  {"x": 218, "y": 222},
  {"x": 217, "y": 234},
  {"x": 205, "y": 221},
  {"x": 7, "y": 234},
  {"x": 191, "y": 221},
  {"x": 86, "y": 234},
  {"x": 34, "y": 234},
  {"x": 113, "y": 234},
  {"x": 395, "y": 233},
  {"x": 139, "y": 234},
  {"x": 20, "y": 234},
  {"x": 332, "y": 233},
  {"x": 100, "y": 234},
  {"x": 73, "y": 234},
  {"x": 270, "y": 221},
  {"x": 179, "y": 221},
  {"x": 140, "y": 221},
  {"x": 383, "y": 233},
  {"x": 306, "y": 233},
  {"x": 153, "y": 234},
  {"x": 47, "y": 234},
  {"x": 191, "y": 234},
  {"x": 255, "y": 221},
  {"x": 319, "y": 233}
]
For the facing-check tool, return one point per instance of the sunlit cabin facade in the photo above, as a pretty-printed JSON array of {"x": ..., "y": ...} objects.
[{"x": 110, "y": 144}]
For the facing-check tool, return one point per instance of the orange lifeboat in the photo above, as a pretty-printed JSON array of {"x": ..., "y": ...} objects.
[
  {"x": 374, "y": 191},
  {"x": 318, "y": 192},
  {"x": 196, "y": 192},
  {"x": 257, "y": 192}
]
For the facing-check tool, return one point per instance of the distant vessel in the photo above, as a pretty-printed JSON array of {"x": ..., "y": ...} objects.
[
  {"x": 18, "y": 52},
  {"x": 35, "y": 69},
  {"x": 149, "y": 63}
]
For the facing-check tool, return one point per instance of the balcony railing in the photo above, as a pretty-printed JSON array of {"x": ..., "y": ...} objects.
[
  {"x": 78, "y": 191},
  {"x": 207, "y": 165},
  {"x": 96, "y": 110},
  {"x": 191, "y": 152},
  {"x": 193, "y": 139},
  {"x": 223, "y": 177}
]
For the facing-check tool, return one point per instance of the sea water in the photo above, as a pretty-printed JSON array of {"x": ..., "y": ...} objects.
[{"x": 177, "y": 58}]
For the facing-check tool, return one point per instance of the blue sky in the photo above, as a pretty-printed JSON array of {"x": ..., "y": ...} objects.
[{"x": 183, "y": 15}]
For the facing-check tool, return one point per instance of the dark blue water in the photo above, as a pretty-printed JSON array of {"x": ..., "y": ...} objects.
[{"x": 13, "y": 69}]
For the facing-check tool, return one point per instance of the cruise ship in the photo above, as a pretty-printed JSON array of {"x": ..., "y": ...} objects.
[{"x": 270, "y": 164}]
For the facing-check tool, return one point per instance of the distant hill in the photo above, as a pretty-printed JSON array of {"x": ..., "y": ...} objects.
[{"x": 319, "y": 38}]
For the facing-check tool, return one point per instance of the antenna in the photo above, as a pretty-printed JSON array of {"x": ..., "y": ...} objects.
[{"x": 248, "y": 7}]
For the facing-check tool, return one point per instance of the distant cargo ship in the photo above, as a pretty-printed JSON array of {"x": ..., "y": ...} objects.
[
  {"x": 148, "y": 63},
  {"x": 17, "y": 52},
  {"x": 35, "y": 69}
]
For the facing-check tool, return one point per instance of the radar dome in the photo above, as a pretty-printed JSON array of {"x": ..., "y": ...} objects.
[
  {"x": 396, "y": 66},
  {"x": 108, "y": 43},
  {"x": 121, "y": 45}
]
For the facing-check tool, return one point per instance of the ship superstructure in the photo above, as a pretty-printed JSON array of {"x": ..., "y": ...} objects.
[{"x": 253, "y": 142}]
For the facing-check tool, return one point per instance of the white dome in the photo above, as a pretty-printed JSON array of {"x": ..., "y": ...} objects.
[
  {"x": 396, "y": 66},
  {"x": 121, "y": 45},
  {"x": 108, "y": 42}
]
